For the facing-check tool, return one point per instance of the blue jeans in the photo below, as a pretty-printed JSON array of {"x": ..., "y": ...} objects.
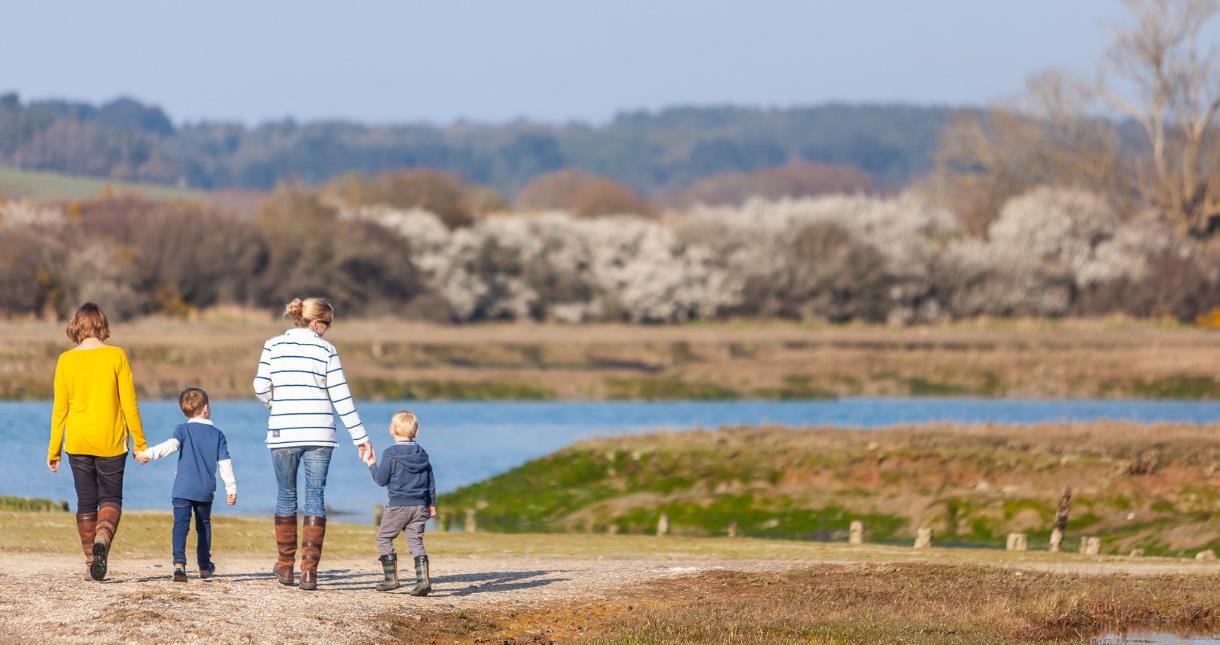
[
  {"x": 286, "y": 462},
  {"x": 183, "y": 509}
]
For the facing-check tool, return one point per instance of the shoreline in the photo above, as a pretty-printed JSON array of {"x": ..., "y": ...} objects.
[{"x": 734, "y": 360}]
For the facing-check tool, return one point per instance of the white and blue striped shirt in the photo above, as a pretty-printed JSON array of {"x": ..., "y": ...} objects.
[{"x": 301, "y": 380}]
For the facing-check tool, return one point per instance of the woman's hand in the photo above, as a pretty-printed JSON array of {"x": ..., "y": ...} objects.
[
  {"x": 367, "y": 454},
  {"x": 53, "y": 464}
]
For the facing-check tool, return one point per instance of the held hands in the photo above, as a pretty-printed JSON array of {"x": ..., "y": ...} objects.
[
  {"x": 143, "y": 457},
  {"x": 367, "y": 454},
  {"x": 232, "y": 499}
]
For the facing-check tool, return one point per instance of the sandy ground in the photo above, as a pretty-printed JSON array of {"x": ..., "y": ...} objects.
[{"x": 46, "y": 598}]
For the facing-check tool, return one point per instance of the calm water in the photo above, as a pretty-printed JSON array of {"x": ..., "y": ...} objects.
[
  {"x": 471, "y": 441},
  {"x": 1153, "y": 638}
]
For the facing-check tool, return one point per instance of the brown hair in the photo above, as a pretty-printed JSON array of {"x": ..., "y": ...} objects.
[
  {"x": 404, "y": 425},
  {"x": 192, "y": 401},
  {"x": 303, "y": 312},
  {"x": 89, "y": 321}
]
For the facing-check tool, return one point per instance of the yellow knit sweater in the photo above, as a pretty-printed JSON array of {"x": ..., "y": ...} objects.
[{"x": 95, "y": 404}]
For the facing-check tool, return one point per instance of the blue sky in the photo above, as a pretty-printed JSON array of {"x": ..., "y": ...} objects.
[{"x": 443, "y": 60}]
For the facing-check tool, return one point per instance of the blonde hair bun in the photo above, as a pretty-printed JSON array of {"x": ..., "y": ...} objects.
[
  {"x": 295, "y": 310},
  {"x": 303, "y": 312}
]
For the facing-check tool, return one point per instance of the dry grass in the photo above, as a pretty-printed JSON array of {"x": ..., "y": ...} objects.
[
  {"x": 147, "y": 535},
  {"x": 741, "y": 359},
  {"x": 845, "y": 604},
  {"x": 765, "y": 591}
]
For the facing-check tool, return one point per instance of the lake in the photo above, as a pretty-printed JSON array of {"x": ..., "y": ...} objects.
[{"x": 470, "y": 441}]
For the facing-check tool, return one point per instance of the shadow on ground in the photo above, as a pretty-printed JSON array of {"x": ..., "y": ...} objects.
[{"x": 454, "y": 585}]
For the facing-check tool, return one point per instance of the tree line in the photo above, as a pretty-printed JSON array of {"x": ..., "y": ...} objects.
[{"x": 656, "y": 154}]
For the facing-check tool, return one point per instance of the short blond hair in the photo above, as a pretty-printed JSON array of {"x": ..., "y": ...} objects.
[{"x": 404, "y": 425}]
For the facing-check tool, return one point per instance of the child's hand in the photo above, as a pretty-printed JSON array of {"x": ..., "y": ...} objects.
[
  {"x": 367, "y": 454},
  {"x": 431, "y": 511},
  {"x": 232, "y": 499},
  {"x": 142, "y": 456},
  {"x": 53, "y": 464}
]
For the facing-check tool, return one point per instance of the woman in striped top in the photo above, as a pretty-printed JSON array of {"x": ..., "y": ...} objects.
[{"x": 300, "y": 379}]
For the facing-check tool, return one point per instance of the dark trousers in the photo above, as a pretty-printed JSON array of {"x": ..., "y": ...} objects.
[
  {"x": 183, "y": 509},
  {"x": 98, "y": 480}
]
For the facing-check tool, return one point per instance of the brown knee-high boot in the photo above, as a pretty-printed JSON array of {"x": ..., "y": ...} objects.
[
  {"x": 286, "y": 544},
  {"x": 108, "y": 516},
  {"x": 86, "y": 526},
  {"x": 313, "y": 533}
]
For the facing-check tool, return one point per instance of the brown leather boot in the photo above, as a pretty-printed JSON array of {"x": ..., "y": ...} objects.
[
  {"x": 108, "y": 517},
  {"x": 86, "y": 526},
  {"x": 313, "y": 533},
  {"x": 286, "y": 543}
]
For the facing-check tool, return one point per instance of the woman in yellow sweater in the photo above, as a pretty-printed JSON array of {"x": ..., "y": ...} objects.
[{"x": 96, "y": 411}]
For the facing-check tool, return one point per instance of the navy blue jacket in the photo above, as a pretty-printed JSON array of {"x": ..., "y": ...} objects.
[
  {"x": 404, "y": 469},
  {"x": 200, "y": 447}
]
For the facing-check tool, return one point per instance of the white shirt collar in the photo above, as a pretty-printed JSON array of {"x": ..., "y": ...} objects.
[
  {"x": 206, "y": 422},
  {"x": 302, "y": 331}
]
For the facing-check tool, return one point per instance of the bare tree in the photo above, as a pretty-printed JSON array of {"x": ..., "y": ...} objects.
[
  {"x": 1174, "y": 96},
  {"x": 1144, "y": 133}
]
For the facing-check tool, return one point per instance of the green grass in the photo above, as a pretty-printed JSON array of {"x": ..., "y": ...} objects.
[
  {"x": 425, "y": 389},
  {"x": 810, "y": 484},
  {"x": 795, "y": 387},
  {"x": 1172, "y": 387},
  {"x": 37, "y": 184},
  {"x": 26, "y": 504}
]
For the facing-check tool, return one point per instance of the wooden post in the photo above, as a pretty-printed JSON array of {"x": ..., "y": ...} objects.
[
  {"x": 857, "y": 533},
  {"x": 1061, "y": 520},
  {"x": 663, "y": 525},
  {"x": 1017, "y": 542},
  {"x": 378, "y": 510},
  {"x": 733, "y": 529},
  {"x": 923, "y": 539},
  {"x": 1090, "y": 546},
  {"x": 471, "y": 524}
]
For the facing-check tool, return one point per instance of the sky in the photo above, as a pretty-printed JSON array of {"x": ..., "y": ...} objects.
[{"x": 551, "y": 60}]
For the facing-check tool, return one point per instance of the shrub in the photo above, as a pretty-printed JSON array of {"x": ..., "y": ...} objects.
[
  {"x": 582, "y": 193},
  {"x": 30, "y": 257},
  {"x": 436, "y": 192},
  {"x": 796, "y": 179},
  {"x": 310, "y": 250},
  {"x": 190, "y": 255}
]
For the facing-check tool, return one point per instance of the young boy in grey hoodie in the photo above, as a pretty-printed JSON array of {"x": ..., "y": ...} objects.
[{"x": 405, "y": 471}]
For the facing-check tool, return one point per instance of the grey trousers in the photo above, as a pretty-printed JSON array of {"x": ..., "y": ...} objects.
[{"x": 408, "y": 520}]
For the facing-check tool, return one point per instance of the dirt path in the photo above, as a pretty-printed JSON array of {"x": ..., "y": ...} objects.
[
  {"x": 44, "y": 598},
  {"x": 47, "y": 598}
]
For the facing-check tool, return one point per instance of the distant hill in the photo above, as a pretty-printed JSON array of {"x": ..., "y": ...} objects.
[
  {"x": 657, "y": 153},
  {"x": 41, "y": 184}
]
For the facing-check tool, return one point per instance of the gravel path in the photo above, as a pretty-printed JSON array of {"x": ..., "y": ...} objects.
[{"x": 45, "y": 599}]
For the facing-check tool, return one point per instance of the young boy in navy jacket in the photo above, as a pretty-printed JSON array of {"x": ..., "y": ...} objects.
[
  {"x": 202, "y": 452},
  {"x": 405, "y": 471}
]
